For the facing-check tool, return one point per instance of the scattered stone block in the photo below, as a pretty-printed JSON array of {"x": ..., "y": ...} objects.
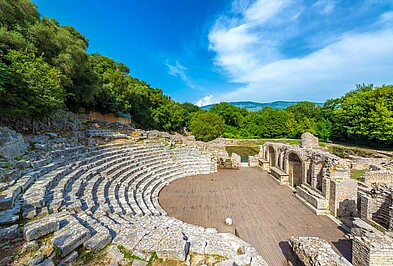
[
  {"x": 47, "y": 262},
  {"x": 37, "y": 229},
  {"x": 30, "y": 245},
  {"x": 228, "y": 221},
  {"x": 35, "y": 261},
  {"x": 70, "y": 237},
  {"x": 73, "y": 255},
  {"x": 308, "y": 140},
  {"x": 98, "y": 241},
  {"x": 115, "y": 254},
  {"x": 9, "y": 233}
]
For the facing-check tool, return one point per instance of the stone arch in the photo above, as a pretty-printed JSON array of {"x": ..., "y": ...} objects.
[
  {"x": 295, "y": 169},
  {"x": 272, "y": 156}
]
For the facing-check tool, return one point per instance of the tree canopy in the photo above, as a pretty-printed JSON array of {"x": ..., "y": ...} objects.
[{"x": 44, "y": 67}]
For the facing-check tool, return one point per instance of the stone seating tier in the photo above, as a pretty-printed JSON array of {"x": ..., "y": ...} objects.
[{"x": 110, "y": 193}]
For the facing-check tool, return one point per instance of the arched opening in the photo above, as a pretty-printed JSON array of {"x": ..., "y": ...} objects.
[
  {"x": 272, "y": 156},
  {"x": 295, "y": 170},
  {"x": 319, "y": 174}
]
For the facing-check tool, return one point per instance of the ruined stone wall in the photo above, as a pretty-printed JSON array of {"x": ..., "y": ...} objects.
[
  {"x": 343, "y": 197},
  {"x": 313, "y": 251},
  {"x": 362, "y": 163},
  {"x": 370, "y": 247},
  {"x": 376, "y": 205},
  {"x": 324, "y": 177},
  {"x": 380, "y": 176}
]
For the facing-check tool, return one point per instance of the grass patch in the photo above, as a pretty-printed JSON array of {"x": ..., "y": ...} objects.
[
  {"x": 243, "y": 151},
  {"x": 6, "y": 165},
  {"x": 86, "y": 257},
  {"x": 357, "y": 174},
  {"x": 294, "y": 142},
  {"x": 346, "y": 152}
]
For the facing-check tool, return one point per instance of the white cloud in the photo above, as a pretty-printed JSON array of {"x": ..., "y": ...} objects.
[
  {"x": 177, "y": 69},
  {"x": 326, "y": 7},
  {"x": 354, "y": 59},
  {"x": 250, "y": 49},
  {"x": 205, "y": 101}
]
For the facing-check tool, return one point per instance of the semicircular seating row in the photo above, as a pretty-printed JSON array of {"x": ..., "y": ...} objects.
[{"x": 110, "y": 194}]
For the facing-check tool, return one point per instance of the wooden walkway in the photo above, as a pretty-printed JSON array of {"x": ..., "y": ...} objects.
[{"x": 264, "y": 213}]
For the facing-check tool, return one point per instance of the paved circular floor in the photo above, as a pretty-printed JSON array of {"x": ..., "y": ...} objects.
[{"x": 264, "y": 213}]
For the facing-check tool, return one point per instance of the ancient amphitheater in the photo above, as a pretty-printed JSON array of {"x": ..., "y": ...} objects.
[{"x": 92, "y": 195}]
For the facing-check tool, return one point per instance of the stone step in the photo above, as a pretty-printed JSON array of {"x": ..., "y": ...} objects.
[{"x": 70, "y": 237}]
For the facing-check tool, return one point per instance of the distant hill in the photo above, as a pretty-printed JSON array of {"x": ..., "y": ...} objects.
[{"x": 255, "y": 106}]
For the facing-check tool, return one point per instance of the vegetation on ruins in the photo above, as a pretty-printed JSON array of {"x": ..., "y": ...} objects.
[{"x": 44, "y": 67}]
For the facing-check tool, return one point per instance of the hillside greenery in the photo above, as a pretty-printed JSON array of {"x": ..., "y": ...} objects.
[{"x": 44, "y": 67}]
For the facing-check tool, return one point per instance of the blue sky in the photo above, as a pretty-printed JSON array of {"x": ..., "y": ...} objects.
[{"x": 208, "y": 51}]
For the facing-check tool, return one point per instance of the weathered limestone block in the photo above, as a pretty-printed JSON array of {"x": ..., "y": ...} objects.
[
  {"x": 67, "y": 260},
  {"x": 308, "y": 140},
  {"x": 313, "y": 251},
  {"x": 115, "y": 254},
  {"x": 10, "y": 216},
  {"x": 70, "y": 237},
  {"x": 153, "y": 134},
  {"x": 9, "y": 233},
  {"x": 98, "y": 241},
  {"x": 47, "y": 262},
  {"x": 40, "y": 228},
  {"x": 11, "y": 143}
]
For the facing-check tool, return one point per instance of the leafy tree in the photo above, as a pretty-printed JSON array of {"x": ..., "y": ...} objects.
[
  {"x": 18, "y": 12},
  {"x": 32, "y": 88},
  {"x": 366, "y": 114},
  {"x": 169, "y": 117},
  {"x": 231, "y": 114},
  {"x": 207, "y": 126}
]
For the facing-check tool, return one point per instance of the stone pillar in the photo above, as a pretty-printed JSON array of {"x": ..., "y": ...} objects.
[
  {"x": 343, "y": 197},
  {"x": 313, "y": 175},
  {"x": 367, "y": 206},
  {"x": 304, "y": 171},
  {"x": 281, "y": 160}
]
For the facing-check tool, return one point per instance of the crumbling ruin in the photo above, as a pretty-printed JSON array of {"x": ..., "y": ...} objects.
[{"x": 321, "y": 180}]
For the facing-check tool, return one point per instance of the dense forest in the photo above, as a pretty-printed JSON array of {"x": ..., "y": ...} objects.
[{"x": 44, "y": 67}]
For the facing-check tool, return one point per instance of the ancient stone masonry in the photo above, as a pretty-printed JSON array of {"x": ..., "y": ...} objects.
[
  {"x": 109, "y": 193},
  {"x": 310, "y": 251},
  {"x": 321, "y": 180},
  {"x": 370, "y": 247},
  {"x": 380, "y": 176},
  {"x": 376, "y": 205},
  {"x": 229, "y": 162}
]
